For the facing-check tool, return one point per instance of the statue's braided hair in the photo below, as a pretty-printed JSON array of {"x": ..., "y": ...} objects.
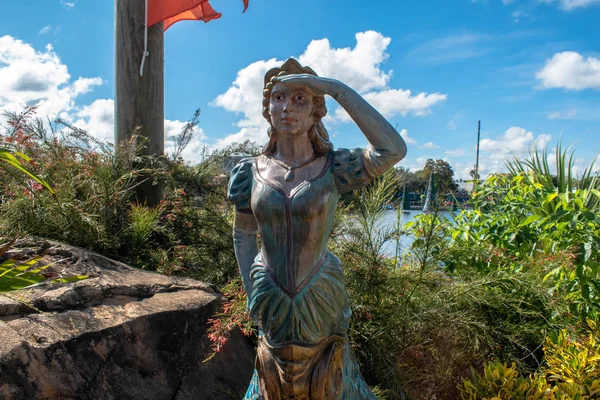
[{"x": 319, "y": 136}]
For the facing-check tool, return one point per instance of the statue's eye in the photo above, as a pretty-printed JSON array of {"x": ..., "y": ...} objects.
[
  {"x": 278, "y": 97},
  {"x": 299, "y": 97}
]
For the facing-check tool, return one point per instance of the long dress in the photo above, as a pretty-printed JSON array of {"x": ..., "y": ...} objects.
[{"x": 298, "y": 298}]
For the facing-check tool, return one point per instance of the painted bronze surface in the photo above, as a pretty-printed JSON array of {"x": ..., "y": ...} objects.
[{"x": 288, "y": 195}]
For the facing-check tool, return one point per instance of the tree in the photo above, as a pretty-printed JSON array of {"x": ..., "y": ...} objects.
[
  {"x": 472, "y": 173},
  {"x": 413, "y": 180},
  {"x": 443, "y": 175}
]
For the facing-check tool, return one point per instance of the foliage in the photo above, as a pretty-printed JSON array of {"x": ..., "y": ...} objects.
[
  {"x": 442, "y": 173},
  {"x": 574, "y": 358},
  {"x": 503, "y": 382},
  {"x": 416, "y": 329},
  {"x": 189, "y": 232},
  {"x": 11, "y": 159},
  {"x": 526, "y": 216},
  {"x": 413, "y": 181},
  {"x": 572, "y": 372},
  {"x": 15, "y": 275},
  {"x": 235, "y": 315}
]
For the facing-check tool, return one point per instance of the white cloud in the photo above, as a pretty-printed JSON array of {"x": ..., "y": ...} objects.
[
  {"x": 515, "y": 142},
  {"x": 429, "y": 145},
  {"x": 569, "y": 70},
  {"x": 455, "y": 152},
  {"x": 407, "y": 139},
  {"x": 397, "y": 101},
  {"x": 245, "y": 97},
  {"x": 456, "y": 118},
  {"x": 569, "y": 5},
  {"x": 359, "y": 67},
  {"x": 98, "y": 119},
  {"x": 68, "y": 4},
  {"x": 518, "y": 14},
  {"x": 417, "y": 165},
  {"x": 195, "y": 148},
  {"x": 37, "y": 78},
  {"x": 570, "y": 114},
  {"x": 392, "y": 102},
  {"x": 46, "y": 29}
]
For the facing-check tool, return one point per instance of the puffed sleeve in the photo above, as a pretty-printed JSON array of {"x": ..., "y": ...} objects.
[
  {"x": 355, "y": 168},
  {"x": 240, "y": 185}
]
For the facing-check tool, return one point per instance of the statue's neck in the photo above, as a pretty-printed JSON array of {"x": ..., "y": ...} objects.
[{"x": 293, "y": 149}]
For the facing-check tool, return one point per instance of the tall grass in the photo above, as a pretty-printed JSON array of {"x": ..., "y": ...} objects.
[
  {"x": 560, "y": 182},
  {"x": 188, "y": 233}
]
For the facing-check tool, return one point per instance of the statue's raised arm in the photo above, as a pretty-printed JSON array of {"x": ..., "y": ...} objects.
[
  {"x": 386, "y": 143},
  {"x": 288, "y": 195}
]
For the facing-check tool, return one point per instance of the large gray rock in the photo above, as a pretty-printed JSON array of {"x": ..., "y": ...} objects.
[{"x": 123, "y": 333}]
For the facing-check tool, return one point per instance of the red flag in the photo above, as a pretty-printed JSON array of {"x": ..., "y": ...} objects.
[{"x": 171, "y": 11}]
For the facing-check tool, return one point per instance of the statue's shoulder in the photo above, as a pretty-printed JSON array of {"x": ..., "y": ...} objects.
[
  {"x": 243, "y": 166},
  {"x": 240, "y": 183}
]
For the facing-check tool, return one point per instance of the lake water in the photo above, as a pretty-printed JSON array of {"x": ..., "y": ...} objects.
[{"x": 390, "y": 220}]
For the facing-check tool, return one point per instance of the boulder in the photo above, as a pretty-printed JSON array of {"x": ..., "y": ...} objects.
[{"x": 123, "y": 333}]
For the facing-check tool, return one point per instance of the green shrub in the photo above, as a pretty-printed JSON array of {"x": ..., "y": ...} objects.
[
  {"x": 531, "y": 215},
  {"x": 572, "y": 372},
  {"x": 188, "y": 233},
  {"x": 416, "y": 328}
]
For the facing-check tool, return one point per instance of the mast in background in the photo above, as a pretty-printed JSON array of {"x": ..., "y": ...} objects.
[{"x": 476, "y": 177}]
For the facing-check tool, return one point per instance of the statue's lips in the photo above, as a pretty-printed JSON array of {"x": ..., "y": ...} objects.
[{"x": 289, "y": 120}]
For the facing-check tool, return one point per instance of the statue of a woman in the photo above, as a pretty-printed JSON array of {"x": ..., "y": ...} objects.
[{"x": 288, "y": 195}]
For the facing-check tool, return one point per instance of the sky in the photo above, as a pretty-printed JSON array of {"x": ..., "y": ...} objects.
[{"x": 529, "y": 70}]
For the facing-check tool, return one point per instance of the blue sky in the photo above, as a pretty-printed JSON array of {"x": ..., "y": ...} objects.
[{"x": 528, "y": 69}]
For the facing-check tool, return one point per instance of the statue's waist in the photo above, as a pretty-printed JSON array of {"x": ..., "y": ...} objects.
[{"x": 294, "y": 272}]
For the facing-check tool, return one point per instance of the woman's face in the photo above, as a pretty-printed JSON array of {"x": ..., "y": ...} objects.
[{"x": 291, "y": 109}]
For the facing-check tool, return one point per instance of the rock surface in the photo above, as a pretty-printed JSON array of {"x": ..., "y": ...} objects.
[{"x": 121, "y": 334}]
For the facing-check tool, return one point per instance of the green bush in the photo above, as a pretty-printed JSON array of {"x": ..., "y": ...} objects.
[
  {"x": 417, "y": 328},
  {"x": 188, "y": 233},
  {"x": 572, "y": 372},
  {"x": 532, "y": 215}
]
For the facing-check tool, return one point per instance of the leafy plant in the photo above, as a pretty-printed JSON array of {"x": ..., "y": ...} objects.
[
  {"x": 15, "y": 275},
  {"x": 572, "y": 372},
  {"x": 13, "y": 159},
  {"x": 574, "y": 358},
  {"x": 188, "y": 233},
  {"x": 533, "y": 213}
]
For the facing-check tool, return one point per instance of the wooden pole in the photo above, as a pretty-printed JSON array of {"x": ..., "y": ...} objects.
[
  {"x": 477, "y": 156},
  {"x": 139, "y": 100}
]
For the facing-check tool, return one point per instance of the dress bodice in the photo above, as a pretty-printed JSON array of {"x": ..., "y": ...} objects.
[{"x": 294, "y": 229}]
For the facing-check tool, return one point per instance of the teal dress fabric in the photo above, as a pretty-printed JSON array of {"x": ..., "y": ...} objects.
[{"x": 298, "y": 292}]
